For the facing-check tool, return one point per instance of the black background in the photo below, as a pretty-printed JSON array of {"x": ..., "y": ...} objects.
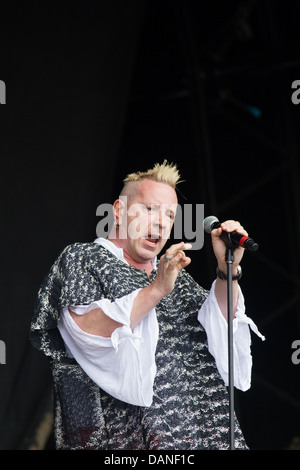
[{"x": 96, "y": 90}]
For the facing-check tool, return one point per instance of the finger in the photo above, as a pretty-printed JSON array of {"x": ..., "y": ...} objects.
[
  {"x": 230, "y": 225},
  {"x": 185, "y": 262},
  {"x": 216, "y": 232},
  {"x": 174, "y": 259},
  {"x": 181, "y": 257},
  {"x": 173, "y": 249},
  {"x": 179, "y": 261},
  {"x": 233, "y": 226},
  {"x": 237, "y": 228}
]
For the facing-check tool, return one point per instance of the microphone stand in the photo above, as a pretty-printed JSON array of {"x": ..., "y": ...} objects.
[{"x": 229, "y": 261}]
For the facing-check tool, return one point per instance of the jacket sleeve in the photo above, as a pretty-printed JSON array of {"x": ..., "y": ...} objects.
[{"x": 69, "y": 281}]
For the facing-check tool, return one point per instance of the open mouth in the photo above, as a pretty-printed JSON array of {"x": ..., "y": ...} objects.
[{"x": 153, "y": 240}]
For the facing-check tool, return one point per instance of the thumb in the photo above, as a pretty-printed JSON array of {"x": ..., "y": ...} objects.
[{"x": 216, "y": 232}]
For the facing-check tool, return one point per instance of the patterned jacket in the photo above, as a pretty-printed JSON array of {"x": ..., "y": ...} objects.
[{"x": 190, "y": 404}]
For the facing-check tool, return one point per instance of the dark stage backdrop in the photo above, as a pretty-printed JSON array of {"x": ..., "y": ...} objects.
[
  {"x": 95, "y": 93},
  {"x": 67, "y": 68},
  {"x": 212, "y": 90}
]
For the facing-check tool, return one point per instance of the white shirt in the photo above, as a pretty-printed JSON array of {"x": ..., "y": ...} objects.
[{"x": 124, "y": 365}]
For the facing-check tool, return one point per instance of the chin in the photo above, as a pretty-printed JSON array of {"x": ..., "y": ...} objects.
[{"x": 147, "y": 252}]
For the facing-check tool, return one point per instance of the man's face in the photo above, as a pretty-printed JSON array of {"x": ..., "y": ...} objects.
[{"x": 150, "y": 217}]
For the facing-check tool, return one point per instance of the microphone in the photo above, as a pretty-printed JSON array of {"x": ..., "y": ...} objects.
[{"x": 232, "y": 238}]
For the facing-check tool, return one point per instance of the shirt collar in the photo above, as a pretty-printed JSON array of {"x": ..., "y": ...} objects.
[{"x": 118, "y": 252}]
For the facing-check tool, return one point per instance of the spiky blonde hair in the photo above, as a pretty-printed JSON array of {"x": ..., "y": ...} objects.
[{"x": 161, "y": 173}]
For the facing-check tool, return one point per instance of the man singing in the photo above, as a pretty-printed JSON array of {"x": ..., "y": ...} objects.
[{"x": 138, "y": 349}]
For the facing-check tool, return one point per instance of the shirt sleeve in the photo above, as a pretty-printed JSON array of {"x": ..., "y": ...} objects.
[
  {"x": 123, "y": 365},
  {"x": 215, "y": 325}
]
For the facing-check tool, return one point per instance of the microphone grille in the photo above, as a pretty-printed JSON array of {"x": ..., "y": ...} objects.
[{"x": 207, "y": 223}]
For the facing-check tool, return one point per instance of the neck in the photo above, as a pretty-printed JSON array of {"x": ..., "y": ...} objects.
[{"x": 145, "y": 265}]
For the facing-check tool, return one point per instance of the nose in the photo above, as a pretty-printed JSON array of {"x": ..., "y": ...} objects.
[{"x": 161, "y": 222}]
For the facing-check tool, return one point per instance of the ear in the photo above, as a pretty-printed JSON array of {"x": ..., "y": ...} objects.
[{"x": 119, "y": 210}]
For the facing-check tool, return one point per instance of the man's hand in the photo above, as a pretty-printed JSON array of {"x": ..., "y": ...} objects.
[
  {"x": 219, "y": 248},
  {"x": 170, "y": 265},
  {"x": 219, "y": 245}
]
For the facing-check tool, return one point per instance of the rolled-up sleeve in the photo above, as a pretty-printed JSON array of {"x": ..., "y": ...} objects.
[
  {"x": 123, "y": 365},
  {"x": 216, "y": 327}
]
